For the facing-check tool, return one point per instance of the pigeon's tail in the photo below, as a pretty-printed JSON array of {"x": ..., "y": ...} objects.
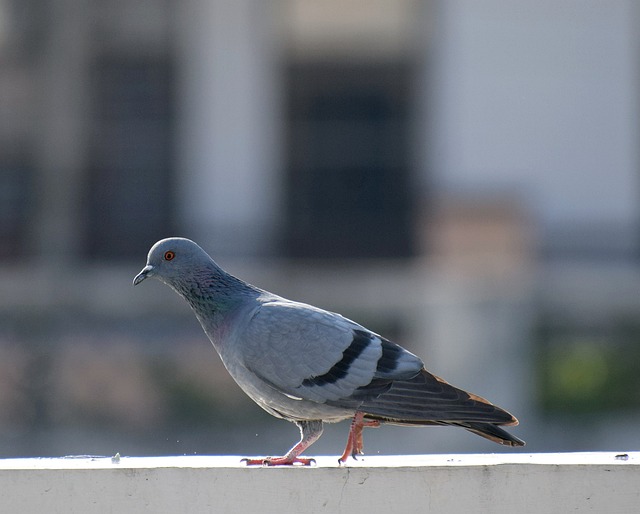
[
  {"x": 493, "y": 433},
  {"x": 429, "y": 400}
]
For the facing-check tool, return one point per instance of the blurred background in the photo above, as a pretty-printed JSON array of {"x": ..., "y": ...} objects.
[{"x": 459, "y": 176}]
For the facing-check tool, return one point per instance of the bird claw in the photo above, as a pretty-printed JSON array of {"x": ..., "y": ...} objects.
[
  {"x": 342, "y": 461},
  {"x": 279, "y": 461}
]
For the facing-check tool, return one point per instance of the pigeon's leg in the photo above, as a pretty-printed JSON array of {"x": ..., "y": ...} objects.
[
  {"x": 354, "y": 441},
  {"x": 310, "y": 432}
]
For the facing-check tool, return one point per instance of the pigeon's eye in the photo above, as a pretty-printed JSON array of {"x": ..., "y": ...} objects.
[{"x": 168, "y": 256}]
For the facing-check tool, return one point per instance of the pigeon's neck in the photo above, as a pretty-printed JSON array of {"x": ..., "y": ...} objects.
[{"x": 215, "y": 297}]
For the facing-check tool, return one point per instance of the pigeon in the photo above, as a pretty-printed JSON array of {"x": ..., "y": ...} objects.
[{"x": 311, "y": 366}]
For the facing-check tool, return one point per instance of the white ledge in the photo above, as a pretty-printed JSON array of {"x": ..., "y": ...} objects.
[
  {"x": 376, "y": 461},
  {"x": 495, "y": 483}
]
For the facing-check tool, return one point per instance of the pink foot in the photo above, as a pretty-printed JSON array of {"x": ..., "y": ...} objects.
[
  {"x": 310, "y": 431},
  {"x": 354, "y": 441},
  {"x": 279, "y": 461}
]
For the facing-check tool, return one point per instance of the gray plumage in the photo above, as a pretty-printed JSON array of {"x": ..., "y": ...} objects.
[{"x": 308, "y": 365}]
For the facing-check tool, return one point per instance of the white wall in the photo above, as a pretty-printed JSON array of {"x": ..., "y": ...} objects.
[
  {"x": 229, "y": 147},
  {"x": 540, "y": 99}
]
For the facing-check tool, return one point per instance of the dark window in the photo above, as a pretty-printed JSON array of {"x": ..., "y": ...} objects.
[
  {"x": 129, "y": 193},
  {"x": 348, "y": 171},
  {"x": 16, "y": 202}
]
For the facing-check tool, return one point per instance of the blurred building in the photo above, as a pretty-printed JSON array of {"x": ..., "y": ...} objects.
[
  {"x": 253, "y": 125},
  {"x": 454, "y": 170}
]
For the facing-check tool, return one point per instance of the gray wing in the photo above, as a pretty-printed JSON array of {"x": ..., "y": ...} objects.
[{"x": 311, "y": 354}]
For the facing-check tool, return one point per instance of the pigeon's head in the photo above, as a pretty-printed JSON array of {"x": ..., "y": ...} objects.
[{"x": 173, "y": 259}]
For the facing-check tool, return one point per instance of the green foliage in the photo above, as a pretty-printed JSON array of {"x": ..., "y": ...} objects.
[{"x": 589, "y": 372}]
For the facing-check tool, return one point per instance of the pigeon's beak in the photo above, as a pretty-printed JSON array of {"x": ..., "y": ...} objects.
[{"x": 147, "y": 271}]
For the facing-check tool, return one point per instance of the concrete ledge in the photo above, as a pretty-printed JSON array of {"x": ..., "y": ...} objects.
[{"x": 494, "y": 483}]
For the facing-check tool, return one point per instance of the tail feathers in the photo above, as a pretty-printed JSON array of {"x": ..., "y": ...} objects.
[
  {"x": 429, "y": 400},
  {"x": 493, "y": 433},
  {"x": 427, "y": 397}
]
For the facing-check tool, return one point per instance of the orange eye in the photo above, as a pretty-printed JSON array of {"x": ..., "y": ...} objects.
[{"x": 168, "y": 256}]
